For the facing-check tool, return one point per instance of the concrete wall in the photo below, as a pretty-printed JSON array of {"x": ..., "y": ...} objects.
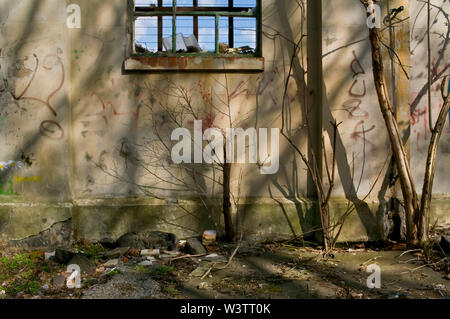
[{"x": 68, "y": 103}]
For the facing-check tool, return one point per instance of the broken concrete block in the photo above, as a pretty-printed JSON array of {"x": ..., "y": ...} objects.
[
  {"x": 195, "y": 247},
  {"x": 116, "y": 253},
  {"x": 147, "y": 240},
  {"x": 445, "y": 243},
  {"x": 87, "y": 266},
  {"x": 171, "y": 253},
  {"x": 47, "y": 256},
  {"x": 150, "y": 252},
  {"x": 146, "y": 263},
  {"x": 63, "y": 256},
  {"x": 215, "y": 258},
  {"x": 111, "y": 263}
]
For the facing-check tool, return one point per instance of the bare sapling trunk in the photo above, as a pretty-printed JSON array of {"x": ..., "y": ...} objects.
[
  {"x": 427, "y": 191},
  {"x": 411, "y": 203},
  {"x": 417, "y": 213},
  {"x": 226, "y": 206}
]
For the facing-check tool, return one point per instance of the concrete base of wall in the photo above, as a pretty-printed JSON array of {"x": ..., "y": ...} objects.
[{"x": 45, "y": 225}]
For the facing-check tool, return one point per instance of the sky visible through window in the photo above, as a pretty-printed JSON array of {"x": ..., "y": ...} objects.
[{"x": 146, "y": 28}]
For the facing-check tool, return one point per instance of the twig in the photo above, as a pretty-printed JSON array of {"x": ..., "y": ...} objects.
[
  {"x": 213, "y": 266},
  {"x": 420, "y": 267},
  {"x": 409, "y": 251},
  {"x": 208, "y": 272},
  {"x": 186, "y": 256},
  {"x": 232, "y": 255},
  {"x": 368, "y": 261}
]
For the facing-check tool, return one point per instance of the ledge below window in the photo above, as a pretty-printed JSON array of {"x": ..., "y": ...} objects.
[{"x": 195, "y": 64}]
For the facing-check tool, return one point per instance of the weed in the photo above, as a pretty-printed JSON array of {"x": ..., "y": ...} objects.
[
  {"x": 88, "y": 281},
  {"x": 140, "y": 269},
  {"x": 172, "y": 290},
  {"x": 18, "y": 273},
  {"x": 15, "y": 263},
  {"x": 92, "y": 251},
  {"x": 163, "y": 270},
  {"x": 112, "y": 273}
]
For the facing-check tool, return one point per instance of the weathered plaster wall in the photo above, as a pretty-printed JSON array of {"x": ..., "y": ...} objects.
[
  {"x": 440, "y": 59},
  {"x": 67, "y": 103}
]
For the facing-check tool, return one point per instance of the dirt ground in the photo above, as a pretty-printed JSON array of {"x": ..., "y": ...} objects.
[
  {"x": 255, "y": 272},
  {"x": 281, "y": 272}
]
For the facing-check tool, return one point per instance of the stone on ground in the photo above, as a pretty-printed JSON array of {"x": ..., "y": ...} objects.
[
  {"x": 195, "y": 247},
  {"x": 445, "y": 243},
  {"x": 59, "y": 281},
  {"x": 111, "y": 263},
  {"x": 149, "y": 240},
  {"x": 117, "y": 252},
  {"x": 87, "y": 265},
  {"x": 63, "y": 256}
]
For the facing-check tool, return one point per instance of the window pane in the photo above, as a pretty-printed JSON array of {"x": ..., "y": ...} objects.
[
  {"x": 213, "y": 3},
  {"x": 201, "y": 3},
  {"x": 245, "y": 32},
  {"x": 223, "y": 30},
  {"x": 185, "y": 3},
  {"x": 207, "y": 33},
  {"x": 186, "y": 41},
  {"x": 245, "y": 3},
  {"x": 147, "y": 3},
  {"x": 146, "y": 33},
  {"x": 167, "y": 27},
  {"x": 224, "y": 3},
  {"x": 244, "y": 29}
]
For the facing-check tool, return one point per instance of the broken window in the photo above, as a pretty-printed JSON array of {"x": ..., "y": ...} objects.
[{"x": 221, "y": 27}]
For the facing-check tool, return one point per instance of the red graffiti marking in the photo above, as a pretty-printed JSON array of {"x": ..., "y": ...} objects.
[
  {"x": 239, "y": 90},
  {"x": 354, "y": 109},
  {"x": 206, "y": 93},
  {"x": 106, "y": 107},
  {"x": 361, "y": 95},
  {"x": 103, "y": 106},
  {"x": 353, "y": 104},
  {"x": 207, "y": 121},
  {"x": 360, "y": 134},
  {"x": 264, "y": 82},
  {"x": 416, "y": 117}
]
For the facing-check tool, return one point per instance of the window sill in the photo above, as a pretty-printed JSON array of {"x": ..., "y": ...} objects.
[{"x": 194, "y": 64}]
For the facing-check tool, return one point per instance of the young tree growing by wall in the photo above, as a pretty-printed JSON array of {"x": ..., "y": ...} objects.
[
  {"x": 417, "y": 211},
  {"x": 330, "y": 229},
  {"x": 183, "y": 107}
]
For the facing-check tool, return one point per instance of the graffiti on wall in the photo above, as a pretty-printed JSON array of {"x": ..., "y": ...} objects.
[
  {"x": 356, "y": 94},
  {"x": 7, "y": 167},
  {"x": 50, "y": 128}
]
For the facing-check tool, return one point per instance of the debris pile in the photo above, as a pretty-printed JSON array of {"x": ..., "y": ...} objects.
[{"x": 190, "y": 44}]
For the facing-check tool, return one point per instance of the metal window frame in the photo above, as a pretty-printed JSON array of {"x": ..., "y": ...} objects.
[{"x": 195, "y": 11}]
